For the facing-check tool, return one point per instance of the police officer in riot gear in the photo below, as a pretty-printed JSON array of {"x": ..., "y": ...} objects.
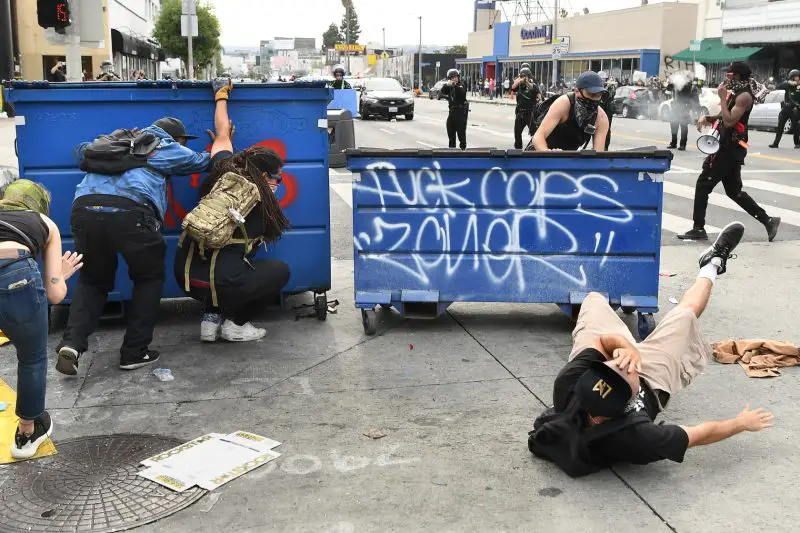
[
  {"x": 339, "y": 82},
  {"x": 528, "y": 96},
  {"x": 456, "y": 95},
  {"x": 790, "y": 109}
]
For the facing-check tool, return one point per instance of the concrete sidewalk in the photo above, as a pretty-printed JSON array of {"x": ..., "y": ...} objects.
[{"x": 456, "y": 397}]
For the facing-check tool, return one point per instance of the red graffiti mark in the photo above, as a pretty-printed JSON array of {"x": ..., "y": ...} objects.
[
  {"x": 174, "y": 209},
  {"x": 290, "y": 185},
  {"x": 275, "y": 144}
]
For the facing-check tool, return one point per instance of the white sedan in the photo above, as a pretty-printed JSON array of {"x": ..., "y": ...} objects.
[{"x": 765, "y": 116}]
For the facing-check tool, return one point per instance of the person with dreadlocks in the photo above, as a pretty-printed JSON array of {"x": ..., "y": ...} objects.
[
  {"x": 737, "y": 97},
  {"x": 242, "y": 286},
  {"x": 27, "y": 233}
]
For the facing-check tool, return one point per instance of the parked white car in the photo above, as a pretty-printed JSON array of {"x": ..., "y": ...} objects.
[
  {"x": 765, "y": 116},
  {"x": 709, "y": 105}
]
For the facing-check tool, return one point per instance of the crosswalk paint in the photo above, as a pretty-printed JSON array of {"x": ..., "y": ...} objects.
[
  {"x": 720, "y": 200},
  {"x": 772, "y": 187},
  {"x": 344, "y": 191},
  {"x": 387, "y": 131},
  {"x": 679, "y": 225},
  {"x": 427, "y": 144}
]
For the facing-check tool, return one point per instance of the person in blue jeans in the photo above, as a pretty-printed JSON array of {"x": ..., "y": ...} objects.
[{"x": 27, "y": 233}]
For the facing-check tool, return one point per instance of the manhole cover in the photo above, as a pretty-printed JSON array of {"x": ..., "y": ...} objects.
[{"x": 91, "y": 485}]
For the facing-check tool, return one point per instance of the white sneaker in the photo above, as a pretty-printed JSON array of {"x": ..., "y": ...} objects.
[
  {"x": 233, "y": 333},
  {"x": 209, "y": 327}
]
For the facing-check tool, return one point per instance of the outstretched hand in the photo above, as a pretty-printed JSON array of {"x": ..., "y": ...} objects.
[{"x": 756, "y": 420}]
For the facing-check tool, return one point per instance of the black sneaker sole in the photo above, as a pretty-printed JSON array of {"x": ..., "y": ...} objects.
[
  {"x": 771, "y": 235},
  {"x": 67, "y": 362},
  {"x": 686, "y": 238}
]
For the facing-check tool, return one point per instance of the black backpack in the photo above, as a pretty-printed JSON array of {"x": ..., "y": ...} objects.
[
  {"x": 565, "y": 439},
  {"x": 120, "y": 151}
]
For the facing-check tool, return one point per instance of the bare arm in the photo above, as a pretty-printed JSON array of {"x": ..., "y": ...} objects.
[
  {"x": 55, "y": 68},
  {"x": 557, "y": 114},
  {"x": 607, "y": 344},
  {"x": 222, "y": 122},
  {"x": 516, "y": 84},
  {"x": 58, "y": 268},
  {"x": 730, "y": 117},
  {"x": 602, "y": 131},
  {"x": 711, "y": 432}
]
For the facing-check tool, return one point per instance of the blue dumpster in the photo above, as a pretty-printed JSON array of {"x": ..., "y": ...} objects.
[
  {"x": 345, "y": 99},
  {"x": 291, "y": 118},
  {"x": 432, "y": 227}
]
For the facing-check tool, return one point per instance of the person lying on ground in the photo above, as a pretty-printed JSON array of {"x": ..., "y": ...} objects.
[{"x": 614, "y": 383}]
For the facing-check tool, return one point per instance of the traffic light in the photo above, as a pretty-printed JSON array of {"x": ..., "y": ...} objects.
[{"x": 53, "y": 13}]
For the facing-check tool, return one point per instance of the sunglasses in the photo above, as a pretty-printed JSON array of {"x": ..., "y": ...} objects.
[{"x": 277, "y": 177}]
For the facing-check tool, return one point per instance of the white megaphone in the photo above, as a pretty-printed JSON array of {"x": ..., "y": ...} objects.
[{"x": 709, "y": 143}]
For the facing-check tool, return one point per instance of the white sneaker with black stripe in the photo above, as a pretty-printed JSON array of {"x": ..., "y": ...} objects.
[{"x": 26, "y": 446}]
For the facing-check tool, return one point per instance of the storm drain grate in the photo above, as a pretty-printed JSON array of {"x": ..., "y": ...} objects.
[{"x": 91, "y": 485}]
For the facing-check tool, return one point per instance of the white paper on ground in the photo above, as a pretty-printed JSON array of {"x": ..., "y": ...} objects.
[{"x": 210, "y": 461}]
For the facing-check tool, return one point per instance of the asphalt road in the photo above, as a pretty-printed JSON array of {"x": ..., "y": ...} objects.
[{"x": 772, "y": 177}]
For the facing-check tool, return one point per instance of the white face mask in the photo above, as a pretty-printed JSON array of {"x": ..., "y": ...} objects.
[{"x": 273, "y": 188}]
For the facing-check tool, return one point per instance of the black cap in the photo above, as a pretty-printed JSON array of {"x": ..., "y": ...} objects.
[
  {"x": 590, "y": 82},
  {"x": 174, "y": 127},
  {"x": 602, "y": 391},
  {"x": 742, "y": 69}
]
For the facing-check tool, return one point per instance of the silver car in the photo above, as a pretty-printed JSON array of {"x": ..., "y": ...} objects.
[{"x": 765, "y": 116}]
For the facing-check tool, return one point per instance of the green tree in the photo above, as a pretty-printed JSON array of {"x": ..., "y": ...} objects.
[
  {"x": 168, "y": 32},
  {"x": 457, "y": 49},
  {"x": 352, "y": 23},
  {"x": 331, "y": 37}
]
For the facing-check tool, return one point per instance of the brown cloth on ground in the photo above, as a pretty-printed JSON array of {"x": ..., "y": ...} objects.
[{"x": 760, "y": 358}]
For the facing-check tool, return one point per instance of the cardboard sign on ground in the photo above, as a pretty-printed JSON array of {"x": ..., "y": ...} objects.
[{"x": 209, "y": 461}]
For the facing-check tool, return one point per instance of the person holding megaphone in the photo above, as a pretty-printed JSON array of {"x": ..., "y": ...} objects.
[{"x": 727, "y": 149}]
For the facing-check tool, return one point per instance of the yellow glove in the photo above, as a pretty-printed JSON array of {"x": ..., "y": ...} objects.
[{"x": 222, "y": 88}]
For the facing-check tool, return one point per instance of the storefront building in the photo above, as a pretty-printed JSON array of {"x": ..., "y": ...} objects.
[{"x": 616, "y": 42}]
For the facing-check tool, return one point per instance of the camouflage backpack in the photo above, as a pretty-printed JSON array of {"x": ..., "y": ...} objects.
[{"x": 211, "y": 225}]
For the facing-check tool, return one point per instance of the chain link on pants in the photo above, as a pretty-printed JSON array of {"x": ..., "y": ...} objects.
[{"x": 457, "y": 125}]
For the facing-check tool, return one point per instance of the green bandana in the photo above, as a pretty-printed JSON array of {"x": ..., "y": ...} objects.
[{"x": 25, "y": 195}]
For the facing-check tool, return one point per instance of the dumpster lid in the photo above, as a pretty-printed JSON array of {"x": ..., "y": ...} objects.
[
  {"x": 155, "y": 84},
  {"x": 636, "y": 153}
]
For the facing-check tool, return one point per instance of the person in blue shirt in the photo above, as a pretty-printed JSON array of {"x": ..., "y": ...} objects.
[{"x": 123, "y": 214}]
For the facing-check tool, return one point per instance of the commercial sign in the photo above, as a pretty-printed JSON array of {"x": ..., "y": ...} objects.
[
  {"x": 537, "y": 35},
  {"x": 695, "y": 46},
  {"x": 372, "y": 59},
  {"x": 344, "y": 47}
]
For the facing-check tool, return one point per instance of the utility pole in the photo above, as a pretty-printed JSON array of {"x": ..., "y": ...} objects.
[
  {"x": 555, "y": 34},
  {"x": 192, "y": 18},
  {"x": 6, "y": 43},
  {"x": 420, "y": 55},
  {"x": 383, "y": 61}
]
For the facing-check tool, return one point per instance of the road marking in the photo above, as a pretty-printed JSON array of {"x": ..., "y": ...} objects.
[
  {"x": 387, "y": 131},
  {"x": 679, "y": 225},
  {"x": 772, "y": 187},
  {"x": 427, "y": 144},
  {"x": 675, "y": 169},
  {"x": 775, "y": 158},
  {"x": 344, "y": 191},
  {"x": 720, "y": 200},
  {"x": 757, "y": 155}
]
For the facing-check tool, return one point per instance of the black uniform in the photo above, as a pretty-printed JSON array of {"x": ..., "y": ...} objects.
[
  {"x": 726, "y": 166},
  {"x": 527, "y": 98},
  {"x": 790, "y": 111},
  {"x": 682, "y": 103},
  {"x": 340, "y": 84},
  {"x": 459, "y": 109}
]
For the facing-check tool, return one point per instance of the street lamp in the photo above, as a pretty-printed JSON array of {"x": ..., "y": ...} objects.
[
  {"x": 420, "y": 56},
  {"x": 383, "y": 61}
]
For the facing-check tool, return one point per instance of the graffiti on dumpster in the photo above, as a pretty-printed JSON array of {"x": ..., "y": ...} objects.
[{"x": 487, "y": 237}]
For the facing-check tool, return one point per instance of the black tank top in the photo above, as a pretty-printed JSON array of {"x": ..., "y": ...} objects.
[
  {"x": 568, "y": 135},
  {"x": 728, "y": 137},
  {"x": 28, "y": 222}
]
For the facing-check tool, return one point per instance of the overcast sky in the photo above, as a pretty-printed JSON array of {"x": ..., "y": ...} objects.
[{"x": 444, "y": 22}]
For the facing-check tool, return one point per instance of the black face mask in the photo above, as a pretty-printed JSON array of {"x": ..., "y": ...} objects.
[{"x": 586, "y": 113}]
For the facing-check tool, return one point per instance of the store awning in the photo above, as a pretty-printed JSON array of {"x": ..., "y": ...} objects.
[
  {"x": 125, "y": 44},
  {"x": 714, "y": 51}
]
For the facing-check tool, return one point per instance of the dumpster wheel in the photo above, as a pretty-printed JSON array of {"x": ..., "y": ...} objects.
[
  {"x": 370, "y": 320},
  {"x": 628, "y": 310},
  {"x": 386, "y": 306},
  {"x": 321, "y": 306},
  {"x": 646, "y": 325}
]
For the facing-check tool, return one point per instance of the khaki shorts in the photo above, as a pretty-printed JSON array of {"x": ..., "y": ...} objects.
[{"x": 672, "y": 355}]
